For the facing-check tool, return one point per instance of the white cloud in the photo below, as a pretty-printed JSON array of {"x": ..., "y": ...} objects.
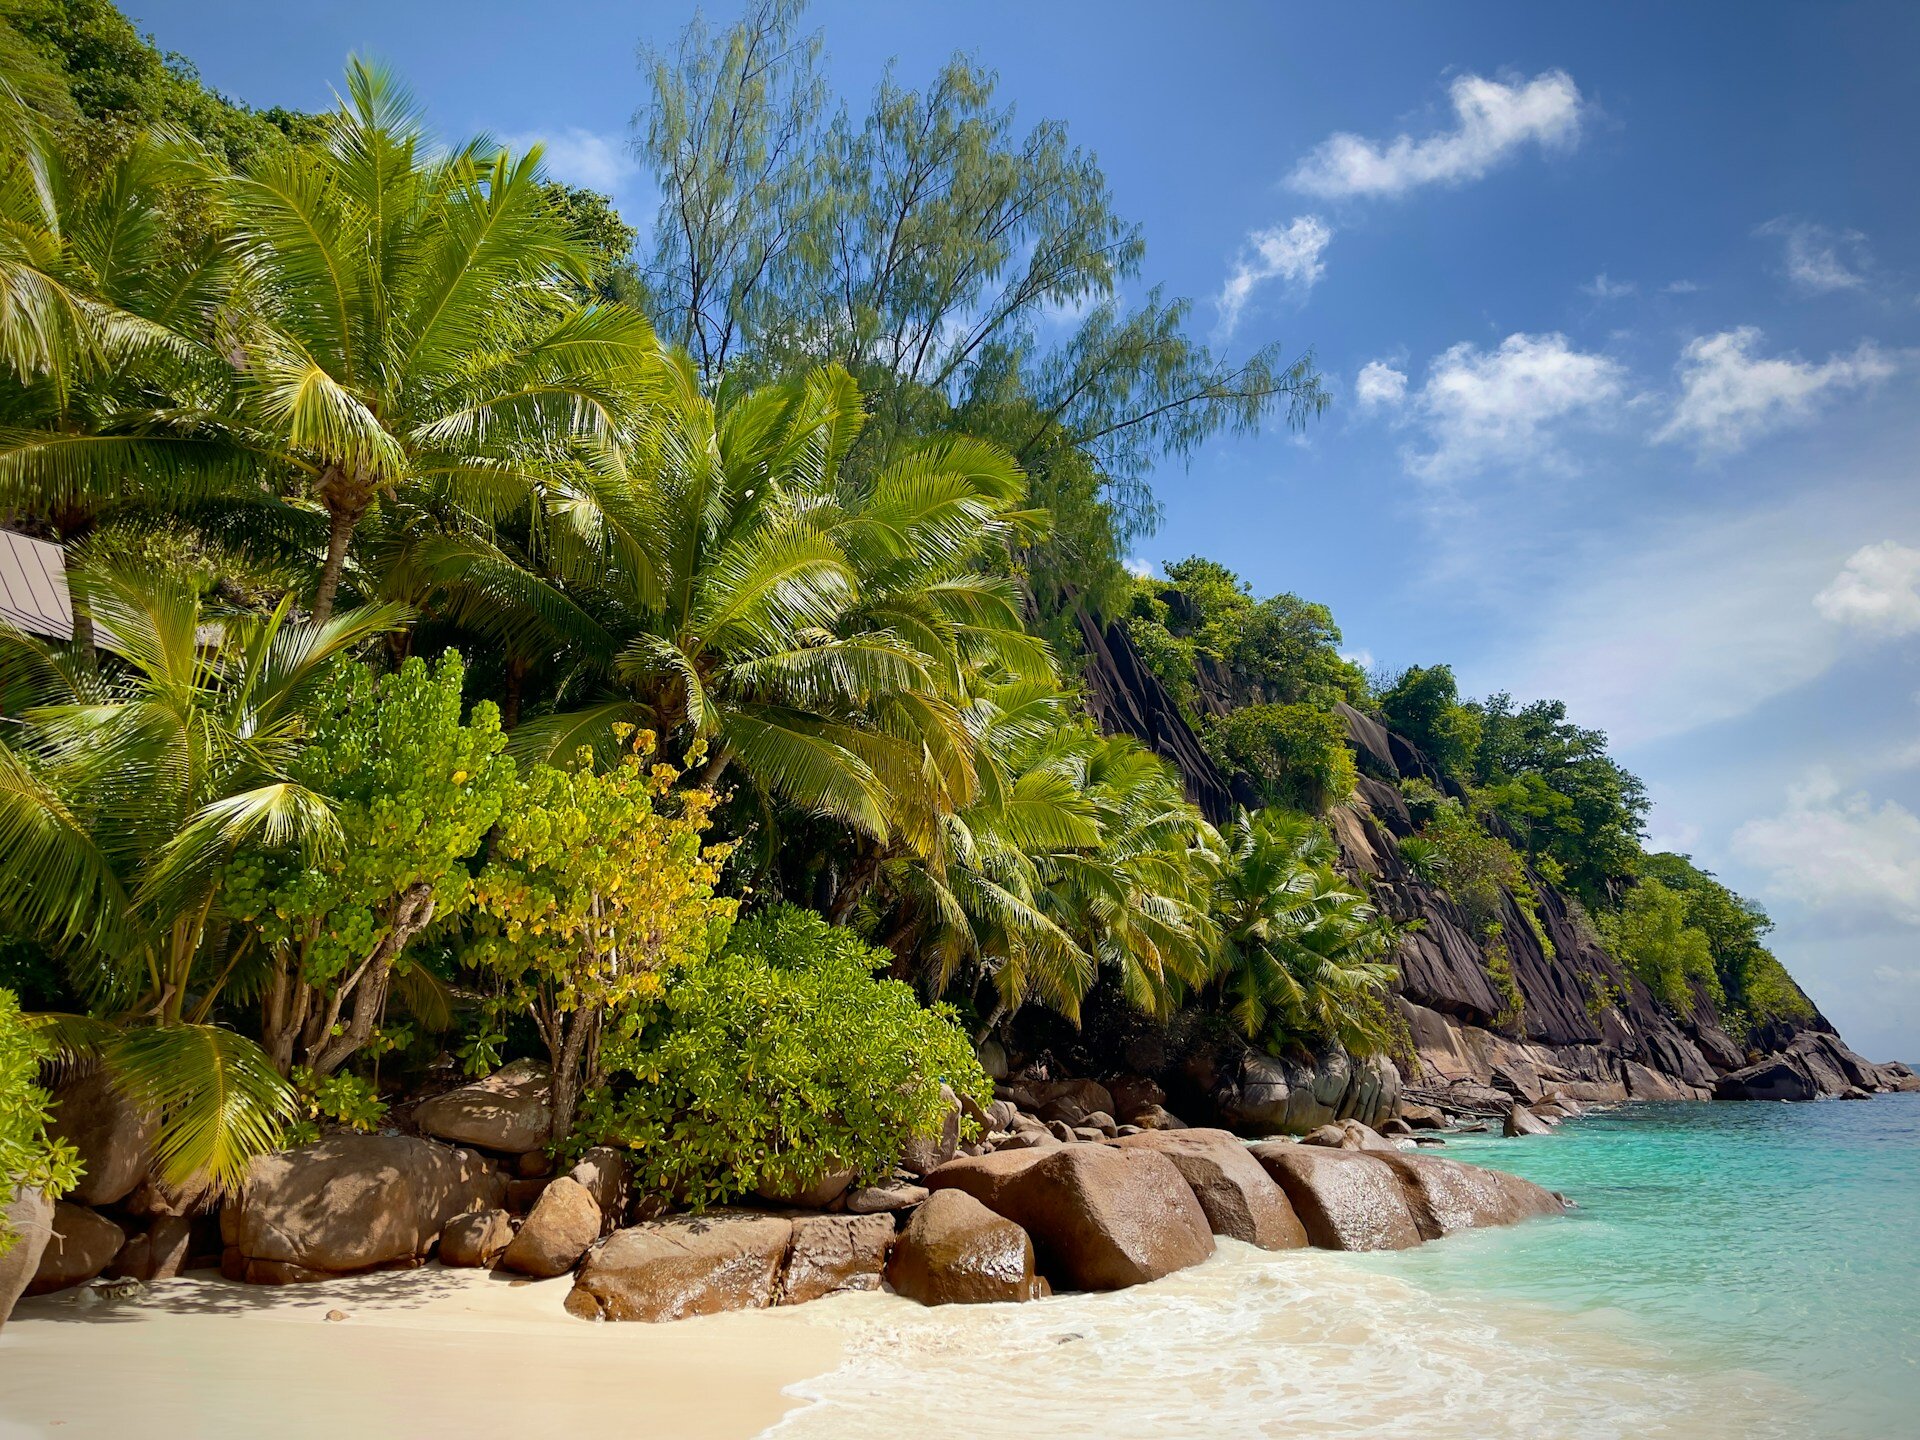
[
  {"x": 1136, "y": 565},
  {"x": 1506, "y": 406},
  {"x": 1877, "y": 589},
  {"x": 1679, "y": 287},
  {"x": 1817, "y": 259},
  {"x": 582, "y": 157},
  {"x": 1362, "y": 658},
  {"x": 1729, "y": 395},
  {"x": 1839, "y": 851},
  {"x": 1379, "y": 385},
  {"x": 1601, "y": 287},
  {"x": 1288, "y": 253},
  {"x": 1494, "y": 120}
]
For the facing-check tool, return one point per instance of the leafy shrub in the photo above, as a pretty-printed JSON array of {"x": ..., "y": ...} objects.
[
  {"x": 1650, "y": 932},
  {"x": 777, "y": 1062},
  {"x": 348, "y": 1101},
  {"x": 1297, "y": 755},
  {"x": 1424, "y": 705},
  {"x": 598, "y": 885},
  {"x": 1478, "y": 870},
  {"x": 29, "y": 1159}
]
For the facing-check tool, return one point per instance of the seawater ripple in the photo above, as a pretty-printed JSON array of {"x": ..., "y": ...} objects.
[{"x": 1734, "y": 1271}]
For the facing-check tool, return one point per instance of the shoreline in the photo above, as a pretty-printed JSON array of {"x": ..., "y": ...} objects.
[{"x": 430, "y": 1352}]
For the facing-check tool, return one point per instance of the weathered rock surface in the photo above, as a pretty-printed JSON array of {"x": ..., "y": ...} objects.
[
  {"x": 476, "y": 1239},
  {"x": 885, "y": 1198},
  {"x": 1522, "y": 1121},
  {"x": 113, "y": 1135},
  {"x": 30, "y": 1216},
  {"x": 511, "y": 1110},
  {"x": 1446, "y": 1196},
  {"x": 807, "y": 1194},
  {"x": 670, "y": 1269},
  {"x": 1101, "y": 1217},
  {"x": 1239, "y": 1198},
  {"x": 830, "y": 1254},
  {"x": 603, "y": 1171},
  {"x": 81, "y": 1245},
  {"x": 1347, "y": 1199},
  {"x": 1260, "y": 1094},
  {"x": 557, "y": 1232},
  {"x": 957, "y": 1251},
  {"x": 1774, "y": 1079},
  {"x": 1348, "y": 1135},
  {"x": 925, "y": 1153},
  {"x": 351, "y": 1202}
]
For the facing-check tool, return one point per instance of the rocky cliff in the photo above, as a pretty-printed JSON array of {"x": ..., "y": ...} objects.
[{"x": 1586, "y": 1026}]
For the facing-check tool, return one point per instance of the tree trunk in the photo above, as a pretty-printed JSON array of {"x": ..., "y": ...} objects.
[
  {"x": 331, "y": 1045},
  {"x": 860, "y": 875},
  {"x": 346, "y": 496},
  {"x": 510, "y": 694},
  {"x": 579, "y": 1030}
]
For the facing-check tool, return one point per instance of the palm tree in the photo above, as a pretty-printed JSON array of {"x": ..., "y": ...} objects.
[
  {"x": 1079, "y": 855},
  {"x": 123, "y": 791},
  {"x": 402, "y": 322},
  {"x": 1304, "y": 954},
  {"x": 756, "y": 607}
]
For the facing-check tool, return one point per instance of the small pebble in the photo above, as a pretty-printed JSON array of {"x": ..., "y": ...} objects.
[{"x": 336, "y": 1314}]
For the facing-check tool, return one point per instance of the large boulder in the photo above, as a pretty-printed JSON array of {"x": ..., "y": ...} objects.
[
  {"x": 511, "y": 1110},
  {"x": 957, "y": 1251},
  {"x": 835, "y": 1253},
  {"x": 351, "y": 1202},
  {"x": 476, "y": 1239},
  {"x": 1239, "y": 1197},
  {"x": 1347, "y": 1199},
  {"x": 884, "y": 1199},
  {"x": 564, "y": 1222},
  {"x": 925, "y": 1153},
  {"x": 669, "y": 1269},
  {"x": 29, "y": 1218},
  {"x": 81, "y": 1245},
  {"x": 1775, "y": 1078},
  {"x": 1522, "y": 1121},
  {"x": 805, "y": 1194},
  {"x": 603, "y": 1171},
  {"x": 1446, "y": 1196},
  {"x": 113, "y": 1135},
  {"x": 1101, "y": 1217}
]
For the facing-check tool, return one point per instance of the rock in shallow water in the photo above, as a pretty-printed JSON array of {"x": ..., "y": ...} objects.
[
  {"x": 1347, "y": 1199},
  {"x": 669, "y": 1269},
  {"x": 1446, "y": 1197},
  {"x": 831, "y": 1254},
  {"x": 1240, "y": 1199},
  {"x": 1101, "y": 1217},
  {"x": 956, "y": 1251}
]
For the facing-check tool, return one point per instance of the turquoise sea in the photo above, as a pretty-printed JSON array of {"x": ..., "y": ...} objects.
[{"x": 1733, "y": 1272}]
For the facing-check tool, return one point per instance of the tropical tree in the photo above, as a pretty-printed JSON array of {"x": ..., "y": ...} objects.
[
  {"x": 124, "y": 792},
  {"x": 404, "y": 322},
  {"x": 1304, "y": 954},
  {"x": 751, "y": 604}
]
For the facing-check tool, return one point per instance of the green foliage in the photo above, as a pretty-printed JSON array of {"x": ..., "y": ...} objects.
[
  {"x": 347, "y": 1101},
  {"x": 414, "y": 790},
  {"x": 777, "y": 1061},
  {"x": 1558, "y": 790},
  {"x": 1650, "y": 932},
  {"x": 1304, "y": 953},
  {"x": 1297, "y": 755},
  {"x": 1757, "y": 987},
  {"x": 29, "y": 1158},
  {"x": 597, "y": 888},
  {"x": 1499, "y": 962},
  {"x": 1423, "y": 704}
]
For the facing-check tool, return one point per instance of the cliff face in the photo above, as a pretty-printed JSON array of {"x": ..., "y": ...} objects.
[{"x": 1587, "y": 1027}]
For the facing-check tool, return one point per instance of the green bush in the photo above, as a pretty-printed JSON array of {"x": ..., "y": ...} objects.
[
  {"x": 1297, "y": 755},
  {"x": 1650, "y": 932},
  {"x": 776, "y": 1062},
  {"x": 29, "y": 1159}
]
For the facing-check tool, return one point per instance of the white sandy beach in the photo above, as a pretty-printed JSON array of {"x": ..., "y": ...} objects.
[{"x": 426, "y": 1353}]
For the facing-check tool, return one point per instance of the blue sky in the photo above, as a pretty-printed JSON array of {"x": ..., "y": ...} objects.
[{"x": 1621, "y": 307}]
